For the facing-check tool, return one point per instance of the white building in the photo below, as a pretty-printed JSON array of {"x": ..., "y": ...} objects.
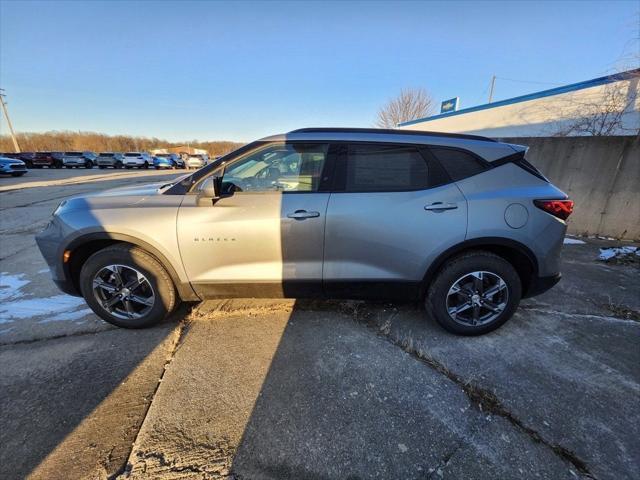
[{"x": 603, "y": 106}]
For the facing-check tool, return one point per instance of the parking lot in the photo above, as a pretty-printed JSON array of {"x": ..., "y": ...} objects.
[{"x": 309, "y": 389}]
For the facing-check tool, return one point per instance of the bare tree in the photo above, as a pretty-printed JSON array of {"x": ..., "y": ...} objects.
[
  {"x": 602, "y": 114},
  {"x": 411, "y": 104}
]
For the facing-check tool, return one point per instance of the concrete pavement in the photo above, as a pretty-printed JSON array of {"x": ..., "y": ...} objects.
[{"x": 272, "y": 389}]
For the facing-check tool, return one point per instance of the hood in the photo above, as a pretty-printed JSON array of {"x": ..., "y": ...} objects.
[
  {"x": 138, "y": 196},
  {"x": 6, "y": 160},
  {"x": 144, "y": 190}
]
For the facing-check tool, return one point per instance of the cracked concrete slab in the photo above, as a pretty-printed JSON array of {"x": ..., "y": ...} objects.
[
  {"x": 71, "y": 407},
  {"x": 297, "y": 393},
  {"x": 571, "y": 377}
]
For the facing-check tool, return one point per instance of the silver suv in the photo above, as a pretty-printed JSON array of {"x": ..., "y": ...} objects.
[{"x": 461, "y": 222}]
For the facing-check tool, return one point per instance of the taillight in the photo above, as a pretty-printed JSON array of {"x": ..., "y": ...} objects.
[{"x": 558, "y": 208}]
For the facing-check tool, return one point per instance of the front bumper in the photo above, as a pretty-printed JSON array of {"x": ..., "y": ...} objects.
[
  {"x": 12, "y": 168},
  {"x": 48, "y": 241}
]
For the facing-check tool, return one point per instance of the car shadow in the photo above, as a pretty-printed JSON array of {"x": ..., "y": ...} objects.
[{"x": 74, "y": 404}]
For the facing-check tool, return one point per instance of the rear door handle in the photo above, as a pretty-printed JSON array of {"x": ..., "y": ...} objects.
[
  {"x": 437, "y": 206},
  {"x": 302, "y": 214}
]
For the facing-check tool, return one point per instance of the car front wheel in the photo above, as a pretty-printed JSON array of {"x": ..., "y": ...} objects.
[
  {"x": 474, "y": 293},
  {"x": 127, "y": 287}
]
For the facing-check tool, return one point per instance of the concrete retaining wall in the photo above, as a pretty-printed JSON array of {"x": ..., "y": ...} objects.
[{"x": 602, "y": 176}]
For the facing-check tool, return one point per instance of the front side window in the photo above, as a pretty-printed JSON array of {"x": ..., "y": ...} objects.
[
  {"x": 383, "y": 168},
  {"x": 283, "y": 167}
]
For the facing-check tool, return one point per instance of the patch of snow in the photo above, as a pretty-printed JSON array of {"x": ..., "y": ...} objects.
[
  {"x": 572, "y": 241},
  {"x": 36, "y": 307},
  {"x": 609, "y": 253},
  {"x": 68, "y": 316},
  {"x": 10, "y": 285},
  {"x": 44, "y": 270}
]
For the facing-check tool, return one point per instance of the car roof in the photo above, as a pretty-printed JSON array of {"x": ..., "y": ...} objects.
[{"x": 486, "y": 148}]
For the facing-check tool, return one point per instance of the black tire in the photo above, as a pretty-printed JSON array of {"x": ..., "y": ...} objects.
[
  {"x": 146, "y": 165},
  {"x": 37, "y": 166},
  {"x": 68, "y": 166},
  {"x": 102, "y": 167},
  {"x": 88, "y": 164},
  {"x": 458, "y": 267},
  {"x": 132, "y": 257},
  {"x": 128, "y": 167},
  {"x": 118, "y": 164},
  {"x": 17, "y": 174},
  {"x": 58, "y": 164}
]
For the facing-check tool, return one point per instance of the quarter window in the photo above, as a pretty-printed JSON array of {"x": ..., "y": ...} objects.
[
  {"x": 458, "y": 163},
  {"x": 286, "y": 167},
  {"x": 383, "y": 168}
]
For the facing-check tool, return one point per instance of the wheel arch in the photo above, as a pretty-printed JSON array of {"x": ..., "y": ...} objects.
[
  {"x": 86, "y": 245},
  {"x": 516, "y": 253}
]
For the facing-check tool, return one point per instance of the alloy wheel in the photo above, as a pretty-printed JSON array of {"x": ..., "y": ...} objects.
[
  {"x": 123, "y": 291},
  {"x": 477, "y": 298}
]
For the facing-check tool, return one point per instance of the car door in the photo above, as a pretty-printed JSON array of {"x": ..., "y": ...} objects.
[
  {"x": 265, "y": 235},
  {"x": 391, "y": 212}
]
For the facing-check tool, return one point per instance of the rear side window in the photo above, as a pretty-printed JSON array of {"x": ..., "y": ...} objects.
[
  {"x": 382, "y": 168},
  {"x": 458, "y": 163}
]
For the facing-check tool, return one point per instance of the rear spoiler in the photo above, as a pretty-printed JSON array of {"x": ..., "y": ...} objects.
[{"x": 519, "y": 159}]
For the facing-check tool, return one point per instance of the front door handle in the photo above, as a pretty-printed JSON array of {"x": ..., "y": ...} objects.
[
  {"x": 438, "y": 206},
  {"x": 302, "y": 214}
]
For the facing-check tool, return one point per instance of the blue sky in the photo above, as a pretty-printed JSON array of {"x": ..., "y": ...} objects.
[{"x": 240, "y": 70}]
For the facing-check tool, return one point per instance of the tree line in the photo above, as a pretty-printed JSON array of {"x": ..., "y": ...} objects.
[{"x": 66, "y": 141}]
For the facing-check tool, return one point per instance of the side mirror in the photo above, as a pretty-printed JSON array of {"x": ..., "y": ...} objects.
[{"x": 211, "y": 187}]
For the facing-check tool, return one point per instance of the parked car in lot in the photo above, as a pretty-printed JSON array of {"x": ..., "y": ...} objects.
[
  {"x": 12, "y": 166},
  {"x": 42, "y": 159},
  {"x": 167, "y": 160},
  {"x": 463, "y": 223},
  {"x": 26, "y": 157},
  {"x": 196, "y": 160},
  {"x": 137, "y": 160},
  {"x": 78, "y": 159},
  {"x": 110, "y": 159}
]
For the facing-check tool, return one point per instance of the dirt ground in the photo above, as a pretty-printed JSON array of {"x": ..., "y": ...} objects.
[{"x": 272, "y": 389}]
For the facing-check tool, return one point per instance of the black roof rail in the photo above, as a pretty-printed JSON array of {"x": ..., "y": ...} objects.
[{"x": 391, "y": 131}]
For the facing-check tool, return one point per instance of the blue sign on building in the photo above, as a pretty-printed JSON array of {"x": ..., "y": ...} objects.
[{"x": 450, "y": 105}]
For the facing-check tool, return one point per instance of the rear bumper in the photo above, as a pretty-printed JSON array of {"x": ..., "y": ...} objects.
[{"x": 540, "y": 285}]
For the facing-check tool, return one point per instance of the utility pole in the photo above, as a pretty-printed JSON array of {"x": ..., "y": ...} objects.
[
  {"x": 493, "y": 84},
  {"x": 6, "y": 115}
]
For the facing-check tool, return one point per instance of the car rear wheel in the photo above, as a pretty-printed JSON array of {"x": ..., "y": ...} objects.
[
  {"x": 88, "y": 164},
  {"x": 127, "y": 287},
  {"x": 146, "y": 165},
  {"x": 118, "y": 164},
  {"x": 17, "y": 174},
  {"x": 474, "y": 293}
]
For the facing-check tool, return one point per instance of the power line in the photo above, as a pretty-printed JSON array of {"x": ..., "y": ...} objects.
[{"x": 528, "y": 81}]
